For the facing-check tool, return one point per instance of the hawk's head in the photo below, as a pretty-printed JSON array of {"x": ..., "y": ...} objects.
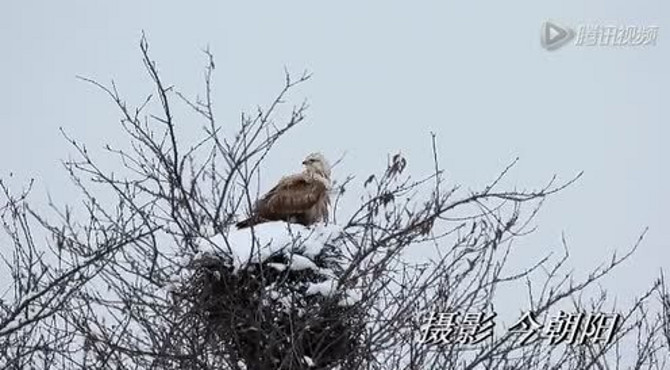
[{"x": 317, "y": 162}]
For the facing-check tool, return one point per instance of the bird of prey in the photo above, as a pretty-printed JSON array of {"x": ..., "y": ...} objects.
[{"x": 301, "y": 198}]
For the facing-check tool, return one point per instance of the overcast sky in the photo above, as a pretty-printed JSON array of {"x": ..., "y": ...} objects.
[{"x": 386, "y": 74}]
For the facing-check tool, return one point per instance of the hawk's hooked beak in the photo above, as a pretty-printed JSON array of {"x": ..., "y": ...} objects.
[{"x": 305, "y": 162}]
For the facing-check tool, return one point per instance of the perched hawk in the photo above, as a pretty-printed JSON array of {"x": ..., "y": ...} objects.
[{"x": 301, "y": 198}]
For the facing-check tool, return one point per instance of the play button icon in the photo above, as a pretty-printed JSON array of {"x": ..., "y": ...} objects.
[{"x": 554, "y": 36}]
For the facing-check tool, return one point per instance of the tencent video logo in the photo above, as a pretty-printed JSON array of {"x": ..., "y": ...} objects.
[{"x": 554, "y": 35}]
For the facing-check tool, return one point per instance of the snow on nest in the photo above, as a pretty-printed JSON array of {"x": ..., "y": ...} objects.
[
  {"x": 350, "y": 298},
  {"x": 299, "y": 262},
  {"x": 272, "y": 238},
  {"x": 328, "y": 288},
  {"x": 325, "y": 288},
  {"x": 308, "y": 361}
]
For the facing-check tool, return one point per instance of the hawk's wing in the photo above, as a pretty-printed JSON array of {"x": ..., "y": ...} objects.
[{"x": 293, "y": 194}]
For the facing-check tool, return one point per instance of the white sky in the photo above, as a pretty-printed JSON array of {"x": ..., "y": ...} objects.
[{"x": 385, "y": 75}]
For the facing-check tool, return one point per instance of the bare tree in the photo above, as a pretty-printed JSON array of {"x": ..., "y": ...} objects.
[{"x": 125, "y": 282}]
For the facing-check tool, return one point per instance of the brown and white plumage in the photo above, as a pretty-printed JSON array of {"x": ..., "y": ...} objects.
[{"x": 301, "y": 198}]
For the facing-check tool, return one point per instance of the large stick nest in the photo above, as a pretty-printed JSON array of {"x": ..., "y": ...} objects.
[{"x": 286, "y": 311}]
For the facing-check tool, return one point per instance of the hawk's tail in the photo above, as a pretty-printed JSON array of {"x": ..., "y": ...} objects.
[{"x": 253, "y": 220}]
